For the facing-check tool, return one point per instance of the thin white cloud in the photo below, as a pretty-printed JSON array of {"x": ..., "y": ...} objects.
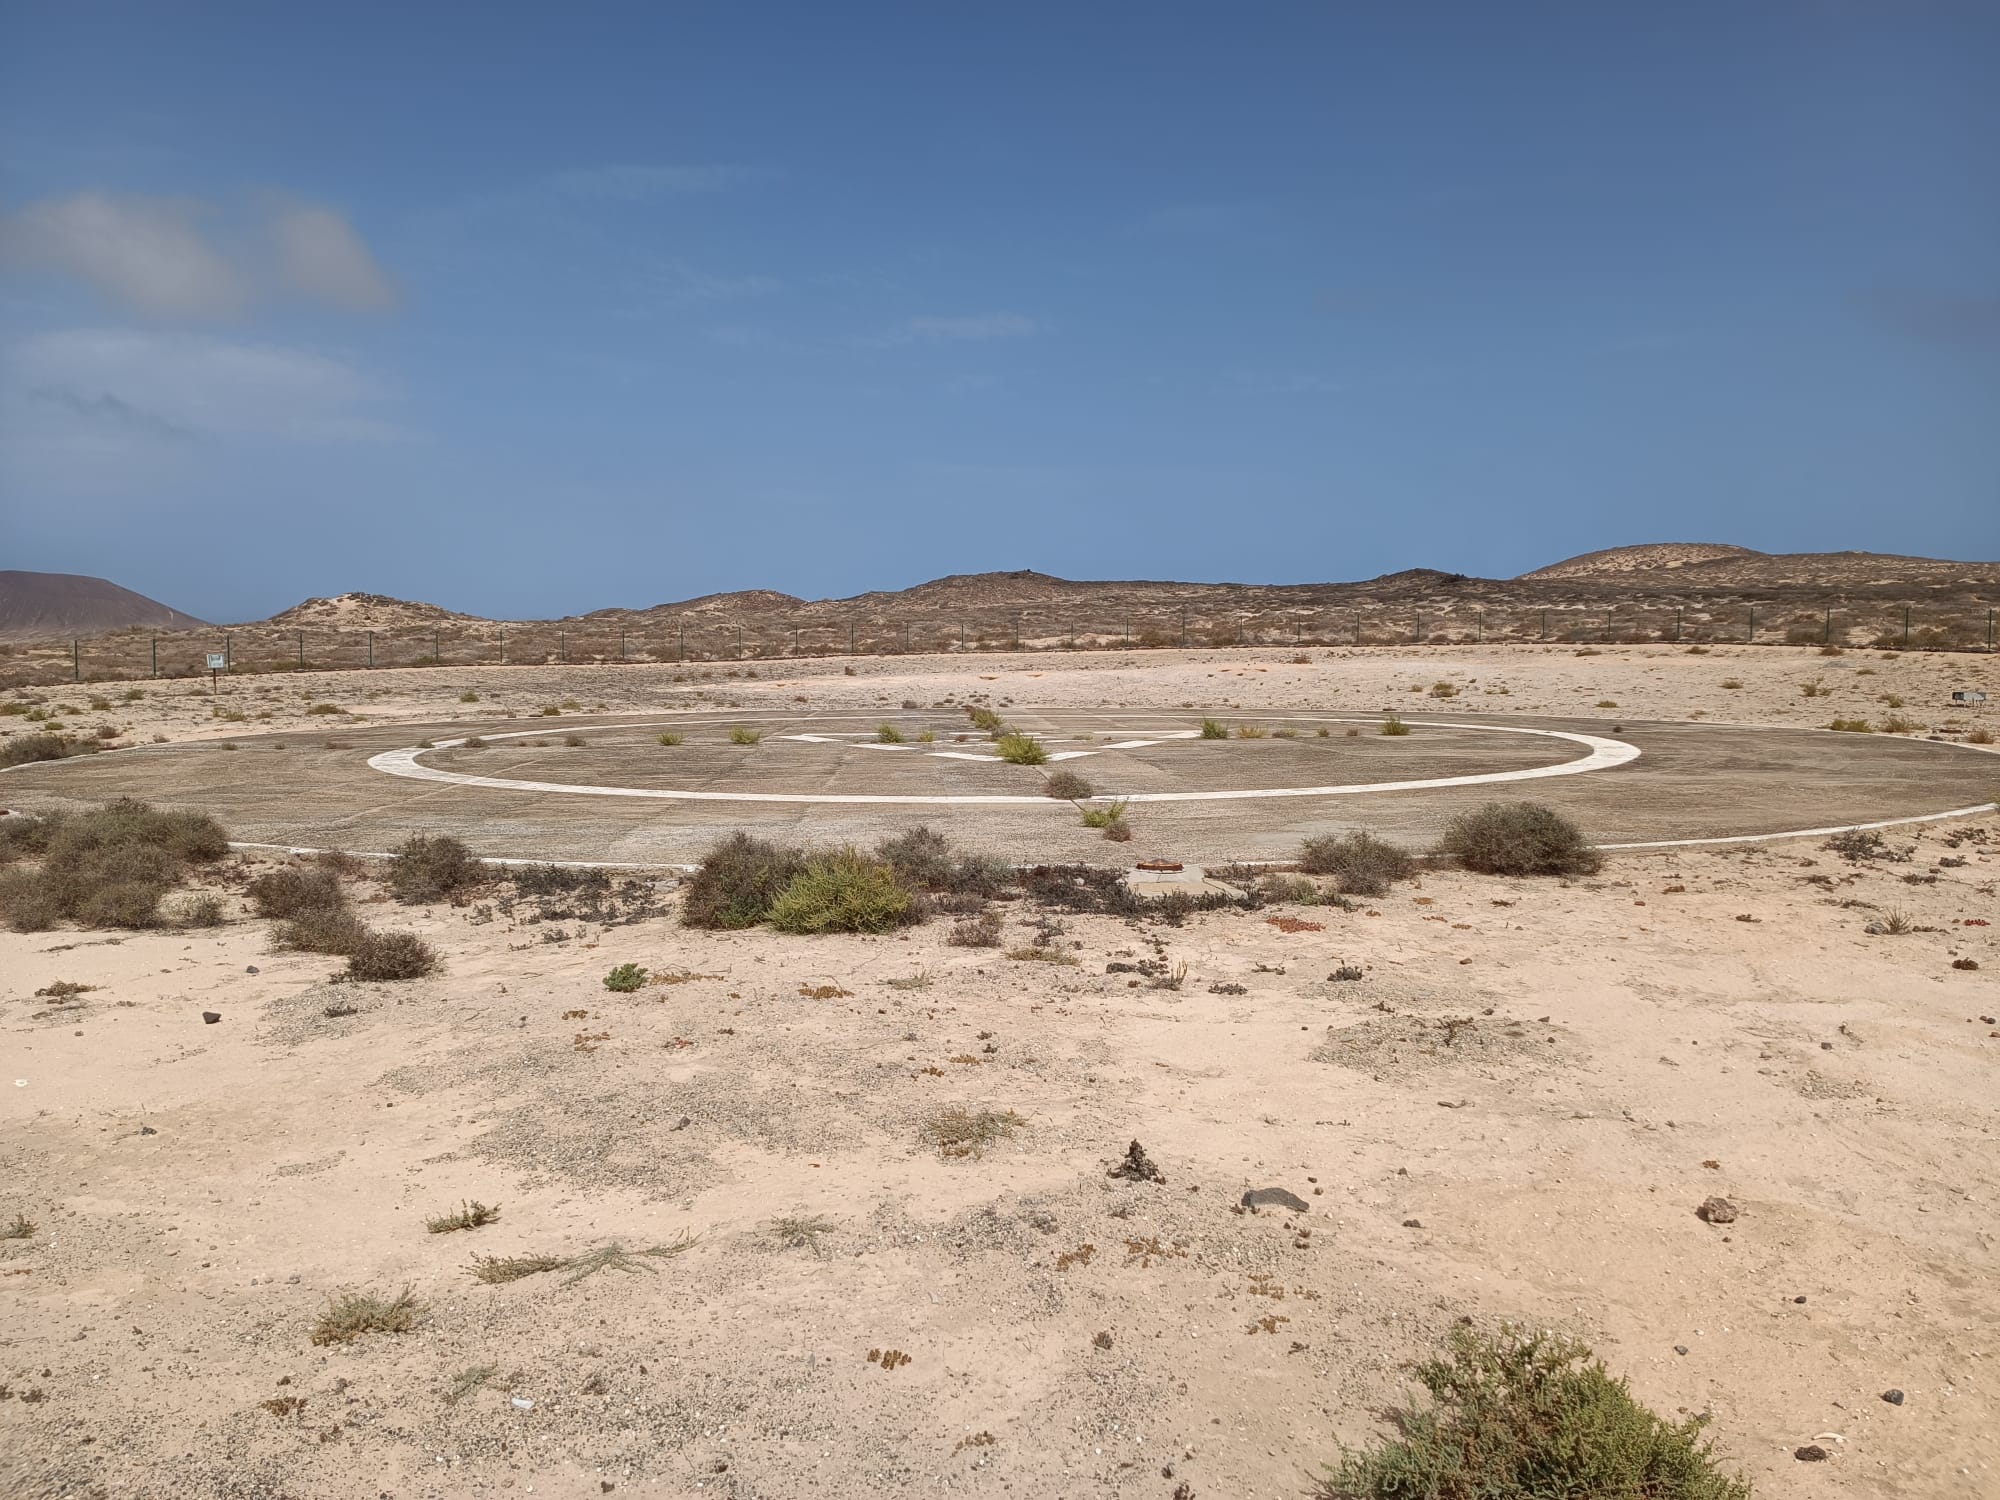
[
  {"x": 637, "y": 183},
  {"x": 164, "y": 256},
  {"x": 320, "y": 255},
  {"x": 675, "y": 283},
  {"x": 149, "y": 253},
  {"x": 977, "y": 327},
  {"x": 119, "y": 388}
]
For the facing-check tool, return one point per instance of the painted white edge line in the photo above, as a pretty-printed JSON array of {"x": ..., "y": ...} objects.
[
  {"x": 1603, "y": 754},
  {"x": 1812, "y": 833}
]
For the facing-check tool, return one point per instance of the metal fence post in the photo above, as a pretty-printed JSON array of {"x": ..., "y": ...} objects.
[
  {"x": 1751, "y": 638},
  {"x": 1906, "y": 627},
  {"x": 503, "y": 645},
  {"x": 156, "y": 644},
  {"x": 371, "y": 648},
  {"x": 75, "y": 660},
  {"x": 228, "y": 654},
  {"x": 1826, "y": 635}
]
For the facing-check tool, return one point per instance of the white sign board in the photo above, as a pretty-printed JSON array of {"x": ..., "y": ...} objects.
[
  {"x": 1968, "y": 695},
  {"x": 217, "y": 661}
]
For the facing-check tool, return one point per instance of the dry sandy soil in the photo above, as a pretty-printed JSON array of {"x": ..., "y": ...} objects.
[{"x": 1687, "y": 1024}]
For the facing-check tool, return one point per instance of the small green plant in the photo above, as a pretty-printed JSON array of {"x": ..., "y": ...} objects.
[
  {"x": 1393, "y": 725},
  {"x": 1214, "y": 729},
  {"x": 1732, "y": 683},
  {"x": 467, "y": 1381},
  {"x": 958, "y": 1131},
  {"x": 842, "y": 892},
  {"x": 1518, "y": 838},
  {"x": 669, "y": 738},
  {"x": 1815, "y": 689},
  {"x": 1249, "y": 731},
  {"x": 888, "y": 734},
  {"x": 612, "y": 1257},
  {"x": 743, "y": 736},
  {"x": 468, "y": 696},
  {"x": 984, "y": 719},
  {"x": 352, "y": 1314},
  {"x": 1852, "y": 726},
  {"x": 472, "y": 1215},
  {"x": 625, "y": 978},
  {"x": 1019, "y": 749},
  {"x": 326, "y": 708},
  {"x": 1104, "y": 817},
  {"x": 1520, "y": 1417},
  {"x": 927, "y": 737},
  {"x": 21, "y": 1229}
]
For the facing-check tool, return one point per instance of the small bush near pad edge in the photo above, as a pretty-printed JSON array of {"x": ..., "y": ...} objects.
[
  {"x": 383, "y": 956},
  {"x": 1519, "y": 838},
  {"x": 625, "y": 978},
  {"x": 737, "y": 881},
  {"x": 107, "y": 867},
  {"x": 1067, "y": 785},
  {"x": 429, "y": 867},
  {"x": 1362, "y": 864},
  {"x": 843, "y": 892},
  {"x": 1530, "y": 1417},
  {"x": 288, "y": 892},
  {"x": 1019, "y": 749}
]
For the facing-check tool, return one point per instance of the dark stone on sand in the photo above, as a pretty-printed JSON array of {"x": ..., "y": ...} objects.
[{"x": 1258, "y": 1198}]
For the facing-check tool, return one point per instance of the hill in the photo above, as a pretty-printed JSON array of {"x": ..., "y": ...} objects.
[
  {"x": 365, "y": 612},
  {"x": 1642, "y": 558},
  {"x": 40, "y": 606}
]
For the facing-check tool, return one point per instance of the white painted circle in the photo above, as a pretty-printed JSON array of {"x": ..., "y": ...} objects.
[{"x": 1602, "y": 755}]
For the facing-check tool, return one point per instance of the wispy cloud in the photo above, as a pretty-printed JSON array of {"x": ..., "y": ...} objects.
[
  {"x": 174, "y": 257},
  {"x": 639, "y": 183},
  {"x": 976, "y": 327},
  {"x": 675, "y": 283}
]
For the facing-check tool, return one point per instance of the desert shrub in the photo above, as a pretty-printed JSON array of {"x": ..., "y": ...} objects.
[
  {"x": 925, "y": 860},
  {"x": 1529, "y": 1417},
  {"x": 957, "y": 1131},
  {"x": 1393, "y": 725},
  {"x": 574, "y": 740},
  {"x": 1852, "y": 726},
  {"x": 737, "y": 881},
  {"x": 1362, "y": 864},
  {"x": 1518, "y": 838},
  {"x": 287, "y": 892},
  {"x": 1067, "y": 785},
  {"x": 326, "y": 708},
  {"x": 1897, "y": 724},
  {"x": 107, "y": 867},
  {"x": 382, "y": 956},
  {"x": 25, "y": 748},
  {"x": 1980, "y": 737},
  {"x": 1214, "y": 729},
  {"x": 841, "y": 892},
  {"x": 1732, "y": 683},
  {"x": 1118, "y": 832},
  {"x": 432, "y": 866},
  {"x": 348, "y": 1317},
  {"x": 625, "y": 978},
  {"x": 742, "y": 736},
  {"x": 982, "y": 931},
  {"x": 1444, "y": 690},
  {"x": 202, "y": 910},
  {"x": 1249, "y": 731},
  {"x": 1020, "y": 749},
  {"x": 888, "y": 734},
  {"x": 669, "y": 738},
  {"x": 326, "y": 929},
  {"x": 984, "y": 719}
]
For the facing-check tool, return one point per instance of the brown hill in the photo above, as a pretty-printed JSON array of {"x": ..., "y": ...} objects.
[
  {"x": 365, "y": 612},
  {"x": 1643, "y": 558},
  {"x": 1707, "y": 567},
  {"x": 42, "y": 605}
]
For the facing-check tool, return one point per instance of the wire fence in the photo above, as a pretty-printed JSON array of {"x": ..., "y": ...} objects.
[{"x": 698, "y": 639}]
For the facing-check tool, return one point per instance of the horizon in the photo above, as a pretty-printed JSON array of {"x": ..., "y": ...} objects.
[{"x": 519, "y": 318}]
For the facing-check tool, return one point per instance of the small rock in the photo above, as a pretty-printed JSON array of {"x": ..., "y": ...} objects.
[
  {"x": 1139, "y": 1167},
  {"x": 1717, "y": 1211},
  {"x": 1680, "y": 1348},
  {"x": 1413, "y": 1223},
  {"x": 250, "y": 969},
  {"x": 147, "y": 1130},
  {"x": 1893, "y": 1397},
  {"x": 682, "y": 1123},
  {"x": 1800, "y": 1301},
  {"x": 1102, "y": 1341},
  {"x": 1258, "y": 1198},
  {"x": 1812, "y": 1453},
  {"x": 210, "y": 1017},
  {"x": 522, "y": 1403}
]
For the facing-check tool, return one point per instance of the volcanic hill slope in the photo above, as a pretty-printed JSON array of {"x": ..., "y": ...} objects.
[{"x": 39, "y": 606}]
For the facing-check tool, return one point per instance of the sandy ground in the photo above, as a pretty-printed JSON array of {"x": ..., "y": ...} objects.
[{"x": 1686, "y": 1024}]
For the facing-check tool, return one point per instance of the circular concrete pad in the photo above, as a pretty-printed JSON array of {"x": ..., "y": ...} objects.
[{"x": 621, "y": 797}]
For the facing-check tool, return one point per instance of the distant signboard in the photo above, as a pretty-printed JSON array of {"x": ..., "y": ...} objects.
[
  {"x": 217, "y": 662},
  {"x": 1968, "y": 695}
]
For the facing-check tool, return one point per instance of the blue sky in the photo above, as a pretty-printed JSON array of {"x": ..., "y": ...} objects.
[{"x": 533, "y": 309}]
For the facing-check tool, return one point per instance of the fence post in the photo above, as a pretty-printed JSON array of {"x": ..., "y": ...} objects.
[
  {"x": 371, "y": 648},
  {"x": 1357, "y": 627},
  {"x": 503, "y": 645},
  {"x": 1751, "y": 638},
  {"x": 1989, "y": 627},
  {"x": 1419, "y": 627},
  {"x": 1906, "y": 627},
  {"x": 229, "y": 655},
  {"x": 156, "y": 643},
  {"x": 1017, "y": 632},
  {"x": 1826, "y": 635},
  {"x": 301, "y": 649},
  {"x": 1677, "y": 623},
  {"x": 75, "y": 661},
  {"x": 1545, "y": 625},
  {"x": 850, "y": 637},
  {"x": 1183, "y": 627},
  {"x": 681, "y": 651},
  {"x": 562, "y": 646},
  {"x": 1479, "y": 628}
]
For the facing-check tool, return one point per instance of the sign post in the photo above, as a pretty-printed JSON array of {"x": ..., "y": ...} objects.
[{"x": 217, "y": 661}]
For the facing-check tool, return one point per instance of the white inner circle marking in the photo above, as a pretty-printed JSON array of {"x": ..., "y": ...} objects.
[{"x": 1603, "y": 755}]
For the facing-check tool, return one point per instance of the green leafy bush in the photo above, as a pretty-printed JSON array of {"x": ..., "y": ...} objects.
[
  {"x": 984, "y": 719},
  {"x": 1362, "y": 864},
  {"x": 737, "y": 881},
  {"x": 1519, "y": 838},
  {"x": 1106, "y": 816},
  {"x": 1214, "y": 729},
  {"x": 625, "y": 978},
  {"x": 1394, "y": 726},
  {"x": 1020, "y": 749},
  {"x": 888, "y": 734},
  {"x": 743, "y": 736},
  {"x": 1530, "y": 1418},
  {"x": 842, "y": 892}
]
